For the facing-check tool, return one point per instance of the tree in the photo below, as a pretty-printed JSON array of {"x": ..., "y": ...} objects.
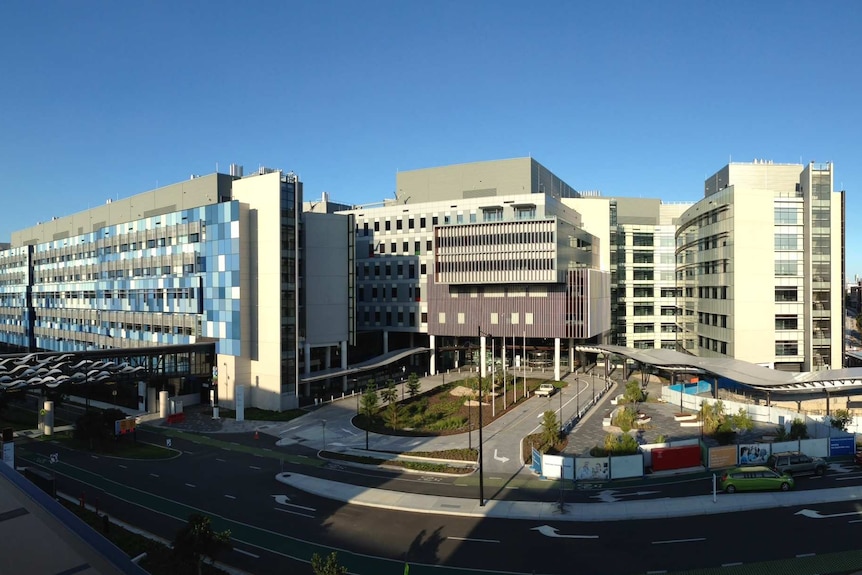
[
  {"x": 625, "y": 418},
  {"x": 328, "y": 566},
  {"x": 369, "y": 402},
  {"x": 712, "y": 415},
  {"x": 389, "y": 394},
  {"x": 798, "y": 429},
  {"x": 550, "y": 428},
  {"x": 620, "y": 444},
  {"x": 197, "y": 541},
  {"x": 391, "y": 415},
  {"x": 840, "y": 419},
  {"x": 413, "y": 384},
  {"x": 634, "y": 393},
  {"x": 740, "y": 421}
]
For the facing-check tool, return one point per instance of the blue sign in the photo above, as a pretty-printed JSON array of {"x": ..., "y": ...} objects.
[
  {"x": 842, "y": 446},
  {"x": 537, "y": 461}
]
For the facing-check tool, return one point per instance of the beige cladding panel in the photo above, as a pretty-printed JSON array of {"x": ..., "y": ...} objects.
[{"x": 496, "y": 178}]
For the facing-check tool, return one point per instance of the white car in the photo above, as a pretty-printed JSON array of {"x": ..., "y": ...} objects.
[{"x": 546, "y": 390}]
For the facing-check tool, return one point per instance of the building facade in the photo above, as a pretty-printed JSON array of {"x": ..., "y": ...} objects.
[
  {"x": 487, "y": 248},
  {"x": 760, "y": 267},
  {"x": 216, "y": 258}
]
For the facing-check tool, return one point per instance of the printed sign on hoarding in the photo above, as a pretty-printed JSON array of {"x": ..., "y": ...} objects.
[
  {"x": 842, "y": 446},
  {"x": 592, "y": 468},
  {"x": 722, "y": 456}
]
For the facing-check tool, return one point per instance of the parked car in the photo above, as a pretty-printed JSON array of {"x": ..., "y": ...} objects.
[
  {"x": 546, "y": 390},
  {"x": 795, "y": 463},
  {"x": 754, "y": 478},
  {"x": 858, "y": 458}
]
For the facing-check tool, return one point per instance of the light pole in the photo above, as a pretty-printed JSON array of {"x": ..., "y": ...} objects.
[
  {"x": 323, "y": 423},
  {"x": 481, "y": 465}
]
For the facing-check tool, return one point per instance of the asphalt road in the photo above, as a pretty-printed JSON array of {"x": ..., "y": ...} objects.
[{"x": 276, "y": 529}]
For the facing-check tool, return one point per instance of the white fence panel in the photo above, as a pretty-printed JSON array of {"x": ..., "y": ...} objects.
[{"x": 627, "y": 466}]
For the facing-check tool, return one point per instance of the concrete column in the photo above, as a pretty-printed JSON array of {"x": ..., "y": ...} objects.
[
  {"x": 385, "y": 341},
  {"x": 306, "y": 357},
  {"x": 239, "y": 401},
  {"x": 164, "y": 406},
  {"x": 327, "y": 358},
  {"x": 344, "y": 364},
  {"x": 571, "y": 355},
  {"x": 482, "y": 359},
  {"x": 557, "y": 358},
  {"x": 48, "y": 418},
  {"x": 432, "y": 364}
]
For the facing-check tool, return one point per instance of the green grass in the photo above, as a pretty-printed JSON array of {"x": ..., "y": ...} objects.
[
  {"x": 414, "y": 465},
  {"x": 255, "y": 414},
  {"x": 20, "y": 418}
]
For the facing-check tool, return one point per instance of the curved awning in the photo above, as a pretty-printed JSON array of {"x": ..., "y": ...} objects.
[{"x": 749, "y": 374}]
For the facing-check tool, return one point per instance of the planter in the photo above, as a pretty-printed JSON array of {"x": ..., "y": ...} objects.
[{"x": 684, "y": 416}]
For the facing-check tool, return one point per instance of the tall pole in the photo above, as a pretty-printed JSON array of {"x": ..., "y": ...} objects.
[
  {"x": 481, "y": 474},
  {"x": 561, "y": 412},
  {"x": 524, "y": 364},
  {"x": 503, "y": 354},
  {"x": 493, "y": 377}
]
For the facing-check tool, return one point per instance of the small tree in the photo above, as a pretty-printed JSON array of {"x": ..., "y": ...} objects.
[
  {"x": 392, "y": 414},
  {"x": 620, "y": 444},
  {"x": 634, "y": 393},
  {"x": 328, "y": 566},
  {"x": 550, "y": 428},
  {"x": 780, "y": 433},
  {"x": 712, "y": 415},
  {"x": 840, "y": 419},
  {"x": 197, "y": 541},
  {"x": 390, "y": 394},
  {"x": 740, "y": 421},
  {"x": 625, "y": 418},
  {"x": 413, "y": 384},
  {"x": 798, "y": 429},
  {"x": 369, "y": 402}
]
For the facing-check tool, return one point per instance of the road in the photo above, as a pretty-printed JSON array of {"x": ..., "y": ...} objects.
[{"x": 275, "y": 528}]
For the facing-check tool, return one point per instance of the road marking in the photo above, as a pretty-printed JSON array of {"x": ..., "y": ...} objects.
[
  {"x": 293, "y": 512},
  {"x": 668, "y": 541},
  {"x": 801, "y": 555},
  {"x": 154, "y": 475},
  {"x": 289, "y": 429},
  {"x": 816, "y": 514},
  {"x": 736, "y": 564},
  {"x": 123, "y": 466},
  {"x": 220, "y": 459},
  {"x": 656, "y": 572},
  {"x": 549, "y": 531},
  {"x": 94, "y": 456},
  {"x": 246, "y": 553},
  {"x": 189, "y": 452},
  {"x": 192, "y": 485},
  {"x": 474, "y": 540},
  {"x": 230, "y": 496},
  {"x": 347, "y": 431},
  {"x": 500, "y": 457},
  {"x": 511, "y": 487},
  {"x": 254, "y": 467}
]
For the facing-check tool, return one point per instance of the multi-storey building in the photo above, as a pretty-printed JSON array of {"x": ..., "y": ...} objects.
[
  {"x": 220, "y": 258},
  {"x": 489, "y": 247},
  {"x": 639, "y": 233},
  {"x": 760, "y": 267}
]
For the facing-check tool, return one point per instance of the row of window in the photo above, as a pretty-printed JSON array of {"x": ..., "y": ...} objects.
[
  {"x": 414, "y": 293},
  {"x": 712, "y": 344},
  {"x": 370, "y": 317},
  {"x": 393, "y": 248},
  {"x": 121, "y": 248},
  {"x": 475, "y": 240},
  {"x": 509, "y": 264},
  {"x": 715, "y": 292},
  {"x": 148, "y": 271},
  {"x": 718, "y": 320},
  {"x": 363, "y": 272}
]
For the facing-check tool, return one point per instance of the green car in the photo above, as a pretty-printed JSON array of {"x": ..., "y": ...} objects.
[{"x": 756, "y": 478}]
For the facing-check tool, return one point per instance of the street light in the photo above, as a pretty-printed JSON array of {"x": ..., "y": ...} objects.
[
  {"x": 323, "y": 423},
  {"x": 481, "y": 466}
]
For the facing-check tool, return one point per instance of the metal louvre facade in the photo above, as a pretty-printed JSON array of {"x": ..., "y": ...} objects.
[{"x": 499, "y": 253}]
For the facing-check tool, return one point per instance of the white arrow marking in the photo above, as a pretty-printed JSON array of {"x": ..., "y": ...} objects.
[
  {"x": 336, "y": 444},
  {"x": 549, "y": 531},
  {"x": 281, "y": 499},
  {"x": 669, "y": 541},
  {"x": 611, "y": 495},
  {"x": 817, "y": 515},
  {"x": 348, "y": 431},
  {"x": 500, "y": 458}
]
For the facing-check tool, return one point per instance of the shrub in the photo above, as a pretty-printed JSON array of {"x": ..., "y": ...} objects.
[
  {"x": 798, "y": 430},
  {"x": 620, "y": 444},
  {"x": 625, "y": 418}
]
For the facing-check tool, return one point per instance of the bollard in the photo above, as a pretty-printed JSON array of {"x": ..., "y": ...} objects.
[
  {"x": 106, "y": 523},
  {"x": 82, "y": 500}
]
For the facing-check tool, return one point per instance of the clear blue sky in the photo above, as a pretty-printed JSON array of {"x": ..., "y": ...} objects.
[{"x": 107, "y": 99}]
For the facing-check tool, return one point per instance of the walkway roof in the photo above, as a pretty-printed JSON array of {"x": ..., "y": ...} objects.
[{"x": 835, "y": 381}]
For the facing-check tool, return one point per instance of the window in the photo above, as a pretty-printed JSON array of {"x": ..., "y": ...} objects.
[
  {"x": 786, "y": 322},
  {"x": 492, "y": 214},
  {"x": 786, "y": 242},
  {"x": 785, "y": 348},
  {"x": 786, "y": 268},
  {"x": 785, "y": 215},
  {"x": 525, "y": 212},
  {"x": 642, "y": 239}
]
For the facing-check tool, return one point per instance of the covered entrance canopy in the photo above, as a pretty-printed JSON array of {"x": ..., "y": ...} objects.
[{"x": 811, "y": 384}]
